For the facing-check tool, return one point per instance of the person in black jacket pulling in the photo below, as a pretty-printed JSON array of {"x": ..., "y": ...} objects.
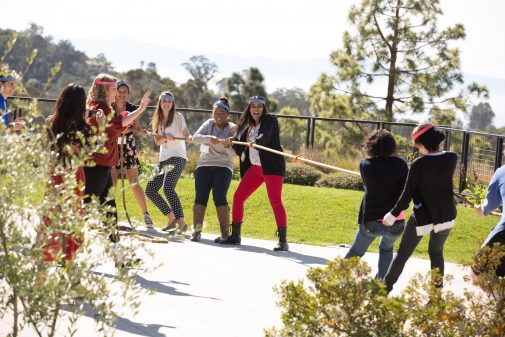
[
  {"x": 257, "y": 126},
  {"x": 429, "y": 185},
  {"x": 383, "y": 175}
]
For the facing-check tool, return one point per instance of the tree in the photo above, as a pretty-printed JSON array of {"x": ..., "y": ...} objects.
[
  {"x": 397, "y": 55},
  {"x": 481, "y": 117},
  {"x": 195, "y": 91},
  {"x": 292, "y": 98},
  {"x": 201, "y": 68},
  {"x": 240, "y": 86}
]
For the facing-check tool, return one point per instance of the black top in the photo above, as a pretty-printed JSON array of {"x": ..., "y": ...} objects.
[
  {"x": 429, "y": 184},
  {"x": 383, "y": 179},
  {"x": 268, "y": 136}
]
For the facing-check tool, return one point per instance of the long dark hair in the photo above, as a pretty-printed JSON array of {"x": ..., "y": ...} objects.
[
  {"x": 246, "y": 118},
  {"x": 68, "y": 118},
  {"x": 158, "y": 114}
]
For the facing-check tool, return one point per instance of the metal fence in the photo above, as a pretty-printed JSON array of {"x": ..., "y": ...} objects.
[{"x": 332, "y": 140}]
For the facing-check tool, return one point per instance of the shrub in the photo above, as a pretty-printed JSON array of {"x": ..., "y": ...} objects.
[
  {"x": 341, "y": 180},
  {"x": 343, "y": 299},
  {"x": 301, "y": 174},
  {"x": 193, "y": 157}
]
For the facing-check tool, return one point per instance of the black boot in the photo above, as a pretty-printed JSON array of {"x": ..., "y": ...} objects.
[
  {"x": 283, "y": 242},
  {"x": 234, "y": 238}
]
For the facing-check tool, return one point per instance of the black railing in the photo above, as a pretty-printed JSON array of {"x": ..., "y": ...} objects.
[{"x": 480, "y": 154}]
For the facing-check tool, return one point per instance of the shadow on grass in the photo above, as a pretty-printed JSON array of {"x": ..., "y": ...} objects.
[{"x": 292, "y": 256}]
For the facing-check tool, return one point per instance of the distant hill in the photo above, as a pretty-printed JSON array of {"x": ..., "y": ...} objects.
[{"x": 76, "y": 66}]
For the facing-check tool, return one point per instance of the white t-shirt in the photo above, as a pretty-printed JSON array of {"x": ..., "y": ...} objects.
[
  {"x": 254, "y": 155},
  {"x": 173, "y": 148}
]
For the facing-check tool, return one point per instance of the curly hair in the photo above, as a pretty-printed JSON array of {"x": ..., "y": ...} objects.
[
  {"x": 98, "y": 92},
  {"x": 380, "y": 143}
]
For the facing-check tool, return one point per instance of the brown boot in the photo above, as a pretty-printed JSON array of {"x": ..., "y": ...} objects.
[
  {"x": 223, "y": 215},
  {"x": 198, "y": 215}
]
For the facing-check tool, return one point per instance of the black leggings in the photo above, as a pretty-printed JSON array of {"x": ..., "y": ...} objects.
[
  {"x": 98, "y": 183},
  {"x": 408, "y": 243}
]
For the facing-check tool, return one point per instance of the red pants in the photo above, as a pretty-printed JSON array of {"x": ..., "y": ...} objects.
[{"x": 252, "y": 180}]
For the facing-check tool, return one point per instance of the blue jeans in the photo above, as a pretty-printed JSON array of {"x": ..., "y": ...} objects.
[
  {"x": 367, "y": 233},
  {"x": 213, "y": 178}
]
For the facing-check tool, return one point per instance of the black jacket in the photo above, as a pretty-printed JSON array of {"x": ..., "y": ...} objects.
[
  {"x": 429, "y": 185},
  {"x": 271, "y": 163},
  {"x": 383, "y": 179}
]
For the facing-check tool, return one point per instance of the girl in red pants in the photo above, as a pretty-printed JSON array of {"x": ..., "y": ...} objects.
[{"x": 257, "y": 126}]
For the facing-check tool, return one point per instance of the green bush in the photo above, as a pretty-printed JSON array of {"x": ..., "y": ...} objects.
[
  {"x": 343, "y": 299},
  {"x": 341, "y": 180},
  {"x": 301, "y": 174}
]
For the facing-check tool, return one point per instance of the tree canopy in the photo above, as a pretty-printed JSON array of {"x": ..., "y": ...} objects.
[{"x": 396, "y": 58}]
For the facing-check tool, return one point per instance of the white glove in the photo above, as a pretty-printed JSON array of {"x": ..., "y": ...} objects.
[{"x": 389, "y": 219}]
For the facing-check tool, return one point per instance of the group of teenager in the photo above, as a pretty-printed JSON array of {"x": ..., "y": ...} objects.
[
  {"x": 390, "y": 185},
  {"x": 106, "y": 111}
]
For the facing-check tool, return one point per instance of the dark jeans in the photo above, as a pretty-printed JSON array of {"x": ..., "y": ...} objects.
[
  {"x": 409, "y": 242},
  {"x": 98, "y": 183},
  {"x": 365, "y": 236},
  {"x": 213, "y": 178}
]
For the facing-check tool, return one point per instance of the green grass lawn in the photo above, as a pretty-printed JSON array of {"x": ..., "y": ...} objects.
[{"x": 318, "y": 216}]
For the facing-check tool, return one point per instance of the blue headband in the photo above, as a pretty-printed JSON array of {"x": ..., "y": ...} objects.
[
  {"x": 7, "y": 79},
  {"x": 167, "y": 97},
  {"x": 120, "y": 83},
  {"x": 222, "y": 105},
  {"x": 257, "y": 100}
]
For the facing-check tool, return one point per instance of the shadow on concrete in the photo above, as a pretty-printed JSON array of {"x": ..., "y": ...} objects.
[
  {"x": 159, "y": 287},
  {"x": 126, "y": 325},
  {"x": 292, "y": 256}
]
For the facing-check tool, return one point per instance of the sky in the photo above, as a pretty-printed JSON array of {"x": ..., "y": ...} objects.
[{"x": 289, "y": 40}]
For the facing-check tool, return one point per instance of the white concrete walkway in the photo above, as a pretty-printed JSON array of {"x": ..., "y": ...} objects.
[{"x": 206, "y": 289}]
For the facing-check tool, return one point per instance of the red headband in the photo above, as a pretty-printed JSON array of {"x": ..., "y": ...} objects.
[
  {"x": 420, "y": 132},
  {"x": 104, "y": 82}
]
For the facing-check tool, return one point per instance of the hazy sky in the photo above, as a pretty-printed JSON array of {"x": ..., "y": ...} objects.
[{"x": 277, "y": 30}]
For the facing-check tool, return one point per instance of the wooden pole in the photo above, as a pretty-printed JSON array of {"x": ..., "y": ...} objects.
[{"x": 313, "y": 162}]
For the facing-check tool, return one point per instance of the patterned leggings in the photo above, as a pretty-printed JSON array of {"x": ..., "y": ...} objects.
[{"x": 168, "y": 181}]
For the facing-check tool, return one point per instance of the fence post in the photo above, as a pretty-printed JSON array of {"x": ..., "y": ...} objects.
[
  {"x": 312, "y": 130},
  {"x": 464, "y": 161},
  {"x": 307, "y": 136},
  {"x": 447, "y": 144},
  {"x": 499, "y": 153}
]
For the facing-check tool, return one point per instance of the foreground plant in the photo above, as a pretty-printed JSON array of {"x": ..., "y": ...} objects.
[
  {"x": 44, "y": 296},
  {"x": 342, "y": 299}
]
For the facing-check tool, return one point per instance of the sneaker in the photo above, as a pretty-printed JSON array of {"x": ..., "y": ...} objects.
[
  {"x": 151, "y": 229},
  {"x": 147, "y": 220}
]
